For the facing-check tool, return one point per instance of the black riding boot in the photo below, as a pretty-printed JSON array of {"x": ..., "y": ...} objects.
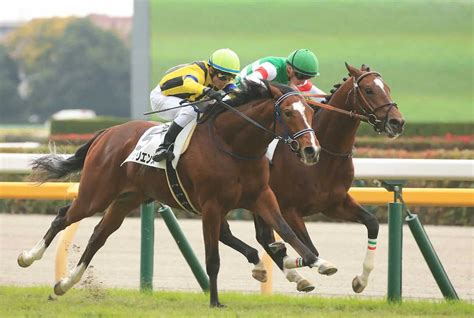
[{"x": 165, "y": 150}]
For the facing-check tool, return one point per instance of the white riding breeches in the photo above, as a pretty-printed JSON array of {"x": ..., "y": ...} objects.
[{"x": 181, "y": 116}]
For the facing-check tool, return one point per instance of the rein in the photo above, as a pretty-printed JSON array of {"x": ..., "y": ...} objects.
[
  {"x": 367, "y": 116},
  {"x": 287, "y": 138},
  {"x": 338, "y": 110}
]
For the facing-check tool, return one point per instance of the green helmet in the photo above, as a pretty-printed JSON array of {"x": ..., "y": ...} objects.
[
  {"x": 225, "y": 60},
  {"x": 304, "y": 61}
]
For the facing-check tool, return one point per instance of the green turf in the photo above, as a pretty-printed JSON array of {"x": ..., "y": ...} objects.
[
  {"x": 33, "y": 302},
  {"x": 423, "y": 49}
]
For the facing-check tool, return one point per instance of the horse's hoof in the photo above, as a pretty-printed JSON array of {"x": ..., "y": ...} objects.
[
  {"x": 217, "y": 305},
  {"x": 21, "y": 260},
  {"x": 357, "y": 285},
  {"x": 327, "y": 269},
  {"x": 260, "y": 275},
  {"x": 304, "y": 285},
  {"x": 58, "y": 289}
]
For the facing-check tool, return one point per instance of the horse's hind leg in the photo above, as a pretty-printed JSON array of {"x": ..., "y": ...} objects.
[
  {"x": 85, "y": 205},
  {"x": 259, "y": 272},
  {"x": 26, "y": 258},
  {"x": 109, "y": 223}
]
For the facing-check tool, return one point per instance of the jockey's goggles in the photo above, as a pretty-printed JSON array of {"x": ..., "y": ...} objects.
[
  {"x": 225, "y": 76},
  {"x": 301, "y": 76}
]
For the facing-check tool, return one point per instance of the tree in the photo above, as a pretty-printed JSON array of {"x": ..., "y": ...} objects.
[
  {"x": 11, "y": 106},
  {"x": 79, "y": 66}
]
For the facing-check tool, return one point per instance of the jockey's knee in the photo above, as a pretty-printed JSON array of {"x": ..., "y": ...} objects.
[{"x": 185, "y": 117}]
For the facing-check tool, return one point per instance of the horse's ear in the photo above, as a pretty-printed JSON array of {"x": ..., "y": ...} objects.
[
  {"x": 274, "y": 91},
  {"x": 365, "y": 68},
  {"x": 353, "y": 71}
]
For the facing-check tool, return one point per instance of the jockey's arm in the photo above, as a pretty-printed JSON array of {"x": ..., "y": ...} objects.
[
  {"x": 309, "y": 88},
  {"x": 192, "y": 85},
  {"x": 265, "y": 71}
]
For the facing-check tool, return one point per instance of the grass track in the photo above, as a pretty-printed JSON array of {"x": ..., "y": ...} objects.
[{"x": 33, "y": 302}]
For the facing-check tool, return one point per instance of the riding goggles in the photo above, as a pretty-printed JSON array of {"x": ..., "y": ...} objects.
[
  {"x": 301, "y": 76},
  {"x": 225, "y": 76}
]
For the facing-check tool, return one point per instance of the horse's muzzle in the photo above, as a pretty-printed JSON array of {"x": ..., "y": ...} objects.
[
  {"x": 394, "y": 127},
  {"x": 310, "y": 155}
]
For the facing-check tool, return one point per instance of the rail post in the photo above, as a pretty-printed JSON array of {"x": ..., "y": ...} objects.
[
  {"x": 431, "y": 257},
  {"x": 186, "y": 250},
  {"x": 395, "y": 242},
  {"x": 147, "y": 212}
]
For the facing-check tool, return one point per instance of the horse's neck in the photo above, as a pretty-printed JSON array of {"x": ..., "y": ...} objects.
[
  {"x": 241, "y": 136},
  {"x": 336, "y": 132}
]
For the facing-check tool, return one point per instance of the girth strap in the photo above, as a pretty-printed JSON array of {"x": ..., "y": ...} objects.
[{"x": 177, "y": 189}]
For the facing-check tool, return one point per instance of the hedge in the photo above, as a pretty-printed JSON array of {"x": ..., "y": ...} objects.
[
  {"x": 426, "y": 129},
  {"x": 84, "y": 126}
]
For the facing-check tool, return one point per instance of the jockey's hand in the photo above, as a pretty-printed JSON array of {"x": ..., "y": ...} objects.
[{"x": 212, "y": 94}]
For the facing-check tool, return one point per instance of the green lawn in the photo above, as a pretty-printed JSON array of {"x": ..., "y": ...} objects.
[
  {"x": 424, "y": 49},
  {"x": 33, "y": 302}
]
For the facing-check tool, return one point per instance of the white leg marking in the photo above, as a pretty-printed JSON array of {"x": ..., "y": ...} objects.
[
  {"x": 66, "y": 283},
  {"x": 325, "y": 267},
  {"x": 302, "y": 283},
  {"x": 259, "y": 272},
  {"x": 260, "y": 265},
  {"x": 360, "y": 281},
  {"x": 28, "y": 257}
]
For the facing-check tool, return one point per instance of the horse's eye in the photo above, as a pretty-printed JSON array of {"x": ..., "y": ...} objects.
[
  {"x": 369, "y": 91},
  {"x": 288, "y": 113}
]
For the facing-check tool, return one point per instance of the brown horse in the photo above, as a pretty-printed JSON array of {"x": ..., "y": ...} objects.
[
  {"x": 323, "y": 188},
  {"x": 224, "y": 168}
]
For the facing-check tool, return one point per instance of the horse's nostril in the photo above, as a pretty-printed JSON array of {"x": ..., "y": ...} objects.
[
  {"x": 309, "y": 151},
  {"x": 396, "y": 123}
]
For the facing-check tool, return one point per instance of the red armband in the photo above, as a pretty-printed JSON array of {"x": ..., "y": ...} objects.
[{"x": 305, "y": 87}]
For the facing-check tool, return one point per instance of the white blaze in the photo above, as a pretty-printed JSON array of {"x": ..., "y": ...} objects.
[
  {"x": 299, "y": 107},
  {"x": 379, "y": 83}
]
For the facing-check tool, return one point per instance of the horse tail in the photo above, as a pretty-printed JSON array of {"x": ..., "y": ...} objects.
[{"x": 56, "y": 167}]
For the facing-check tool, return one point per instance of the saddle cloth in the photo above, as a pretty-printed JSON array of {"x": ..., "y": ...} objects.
[{"x": 152, "y": 138}]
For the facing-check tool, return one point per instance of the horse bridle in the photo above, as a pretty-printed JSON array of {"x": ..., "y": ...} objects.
[
  {"x": 287, "y": 138},
  {"x": 368, "y": 111}
]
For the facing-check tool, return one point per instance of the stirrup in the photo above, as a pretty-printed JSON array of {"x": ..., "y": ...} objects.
[{"x": 165, "y": 152}]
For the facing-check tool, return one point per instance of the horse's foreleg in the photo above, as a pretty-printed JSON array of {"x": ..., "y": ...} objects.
[
  {"x": 259, "y": 272},
  {"x": 267, "y": 208},
  {"x": 26, "y": 258},
  {"x": 109, "y": 223},
  {"x": 296, "y": 222},
  {"x": 211, "y": 225},
  {"x": 265, "y": 237},
  {"x": 352, "y": 211},
  {"x": 370, "y": 221}
]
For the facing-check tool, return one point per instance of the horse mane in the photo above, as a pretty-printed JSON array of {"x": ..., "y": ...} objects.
[
  {"x": 336, "y": 86},
  {"x": 249, "y": 91}
]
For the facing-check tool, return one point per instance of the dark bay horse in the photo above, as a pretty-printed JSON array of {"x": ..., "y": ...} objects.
[
  {"x": 323, "y": 188},
  {"x": 224, "y": 168}
]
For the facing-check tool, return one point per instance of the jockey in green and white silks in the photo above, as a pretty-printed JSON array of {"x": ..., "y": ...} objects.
[{"x": 297, "y": 69}]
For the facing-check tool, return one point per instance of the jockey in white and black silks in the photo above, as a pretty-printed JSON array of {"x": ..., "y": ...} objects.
[
  {"x": 191, "y": 82},
  {"x": 297, "y": 69}
]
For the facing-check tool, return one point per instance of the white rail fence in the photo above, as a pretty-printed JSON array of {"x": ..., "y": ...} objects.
[{"x": 373, "y": 168}]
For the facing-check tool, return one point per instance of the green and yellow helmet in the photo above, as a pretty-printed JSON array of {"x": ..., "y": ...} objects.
[
  {"x": 225, "y": 60},
  {"x": 304, "y": 61}
]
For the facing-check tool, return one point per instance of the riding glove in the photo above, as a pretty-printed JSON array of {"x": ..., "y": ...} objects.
[{"x": 212, "y": 94}]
